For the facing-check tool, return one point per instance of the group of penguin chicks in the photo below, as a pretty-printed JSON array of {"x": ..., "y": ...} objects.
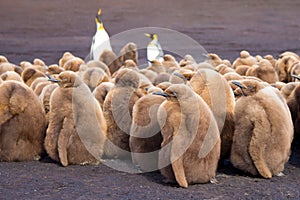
[{"x": 181, "y": 118}]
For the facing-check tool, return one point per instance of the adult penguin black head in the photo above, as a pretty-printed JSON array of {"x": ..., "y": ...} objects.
[
  {"x": 152, "y": 36},
  {"x": 99, "y": 20},
  {"x": 99, "y": 16}
]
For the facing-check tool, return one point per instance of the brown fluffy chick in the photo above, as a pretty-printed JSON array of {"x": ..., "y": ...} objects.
[
  {"x": 22, "y": 123},
  {"x": 191, "y": 140},
  {"x": 263, "y": 130},
  {"x": 117, "y": 109},
  {"x": 77, "y": 128}
]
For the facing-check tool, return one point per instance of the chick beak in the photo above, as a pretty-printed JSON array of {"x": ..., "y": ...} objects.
[
  {"x": 148, "y": 35},
  {"x": 52, "y": 79},
  {"x": 240, "y": 86},
  {"x": 180, "y": 75},
  {"x": 161, "y": 94},
  {"x": 295, "y": 76}
]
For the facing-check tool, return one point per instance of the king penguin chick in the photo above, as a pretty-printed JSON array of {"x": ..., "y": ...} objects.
[
  {"x": 5, "y": 66},
  {"x": 77, "y": 128},
  {"x": 30, "y": 74},
  {"x": 11, "y": 75},
  {"x": 3, "y": 59},
  {"x": 111, "y": 60},
  {"x": 129, "y": 52},
  {"x": 22, "y": 123},
  {"x": 101, "y": 91},
  {"x": 94, "y": 77},
  {"x": 263, "y": 130},
  {"x": 100, "y": 40},
  {"x": 99, "y": 64},
  {"x": 44, "y": 98},
  {"x": 191, "y": 140},
  {"x": 145, "y": 137},
  {"x": 217, "y": 93},
  {"x": 293, "y": 101},
  {"x": 154, "y": 50},
  {"x": 117, "y": 109}
]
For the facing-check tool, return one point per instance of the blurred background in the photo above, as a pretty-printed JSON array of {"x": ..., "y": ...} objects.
[{"x": 45, "y": 29}]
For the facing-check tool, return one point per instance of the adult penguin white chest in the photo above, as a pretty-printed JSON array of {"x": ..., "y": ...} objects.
[
  {"x": 154, "y": 50},
  {"x": 101, "y": 39}
]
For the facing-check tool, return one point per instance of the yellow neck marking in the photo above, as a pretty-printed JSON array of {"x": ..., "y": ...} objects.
[{"x": 100, "y": 26}]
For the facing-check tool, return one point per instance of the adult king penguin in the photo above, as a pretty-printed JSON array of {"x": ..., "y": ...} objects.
[
  {"x": 100, "y": 40},
  {"x": 154, "y": 50}
]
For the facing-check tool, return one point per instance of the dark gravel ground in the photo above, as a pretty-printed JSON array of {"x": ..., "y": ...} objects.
[
  {"x": 46, "y": 180},
  {"x": 46, "y": 29}
]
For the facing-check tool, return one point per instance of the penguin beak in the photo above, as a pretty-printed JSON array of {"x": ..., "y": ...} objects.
[
  {"x": 99, "y": 16},
  {"x": 179, "y": 75},
  {"x": 161, "y": 94},
  {"x": 205, "y": 55},
  {"x": 295, "y": 76},
  {"x": 148, "y": 35},
  {"x": 239, "y": 84},
  {"x": 52, "y": 79},
  {"x": 99, "y": 12}
]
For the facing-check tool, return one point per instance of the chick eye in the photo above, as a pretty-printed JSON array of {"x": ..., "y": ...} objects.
[
  {"x": 174, "y": 94},
  {"x": 250, "y": 87}
]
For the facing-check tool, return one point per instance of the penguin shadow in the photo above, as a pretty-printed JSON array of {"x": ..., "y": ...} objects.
[
  {"x": 226, "y": 168},
  {"x": 128, "y": 166},
  {"x": 295, "y": 154},
  {"x": 224, "y": 171},
  {"x": 157, "y": 177},
  {"x": 47, "y": 159}
]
